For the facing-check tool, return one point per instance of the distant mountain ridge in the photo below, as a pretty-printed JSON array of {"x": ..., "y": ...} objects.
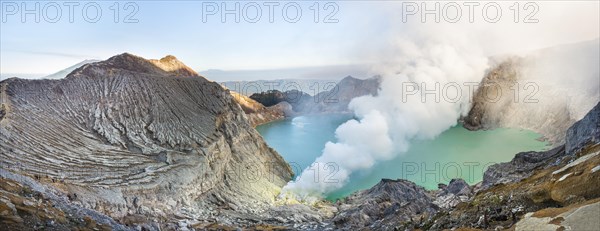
[
  {"x": 327, "y": 72},
  {"x": 334, "y": 100}
]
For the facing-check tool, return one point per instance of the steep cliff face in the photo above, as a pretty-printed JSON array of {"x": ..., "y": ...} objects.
[
  {"x": 491, "y": 94},
  {"x": 135, "y": 136},
  {"x": 584, "y": 132},
  {"x": 258, "y": 114},
  {"x": 501, "y": 101},
  {"x": 545, "y": 91}
]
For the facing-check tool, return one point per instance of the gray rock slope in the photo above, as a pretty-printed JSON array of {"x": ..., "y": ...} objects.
[
  {"x": 135, "y": 136},
  {"x": 338, "y": 98},
  {"x": 383, "y": 205},
  {"x": 584, "y": 132}
]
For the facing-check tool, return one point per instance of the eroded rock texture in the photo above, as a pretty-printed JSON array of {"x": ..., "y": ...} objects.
[
  {"x": 487, "y": 97},
  {"x": 385, "y": 206},
  {"x": 521, "y": 166},
  {"x": 258, "y": 114},
  {"x": 457, "y": 191},
  {"x": 133, "y": 136},
  {"x": 584, "y": 132}
]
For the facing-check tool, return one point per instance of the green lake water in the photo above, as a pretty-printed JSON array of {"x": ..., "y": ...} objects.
[{"x": 456, "y": 153}]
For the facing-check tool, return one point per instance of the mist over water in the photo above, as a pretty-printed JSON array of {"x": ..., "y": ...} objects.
[
  {"x": 456, "y": 153},
  {"x": 387, "y": 122},
  {"x": 429, "y": 54},
  {"x": 301, "y": 139}
]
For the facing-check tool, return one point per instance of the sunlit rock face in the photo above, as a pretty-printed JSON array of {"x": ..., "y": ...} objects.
[
  {"x": 130, "y": 135},
  {"x": 258, "y": 114}
]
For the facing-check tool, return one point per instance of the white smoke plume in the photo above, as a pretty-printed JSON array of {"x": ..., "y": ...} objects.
[
  {"x": 557, "y": 86},
  {"x": 388, "y": 122},
  {"x": 446, "y": 54}
]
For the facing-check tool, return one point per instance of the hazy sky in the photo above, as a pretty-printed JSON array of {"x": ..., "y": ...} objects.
[{"x": 177, "y": 28}]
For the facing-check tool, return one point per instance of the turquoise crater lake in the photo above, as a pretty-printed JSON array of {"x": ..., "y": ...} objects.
[{"x": 456, "y": 153}]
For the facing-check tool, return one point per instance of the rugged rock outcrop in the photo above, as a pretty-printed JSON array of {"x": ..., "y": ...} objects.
[
  {"x": 455, "y": 192},
  {"x": 584, "y": 132},
  {"x": 521, "y": 166},
  {"x": 384, "y": 206},
  {"x": 497, "y": 80},
  {"x": 258, "y": 114},
  {"x": 297, "y": 100},
  {"x": 131, "y": 137},
  {"x": 26, "y": 204}
]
